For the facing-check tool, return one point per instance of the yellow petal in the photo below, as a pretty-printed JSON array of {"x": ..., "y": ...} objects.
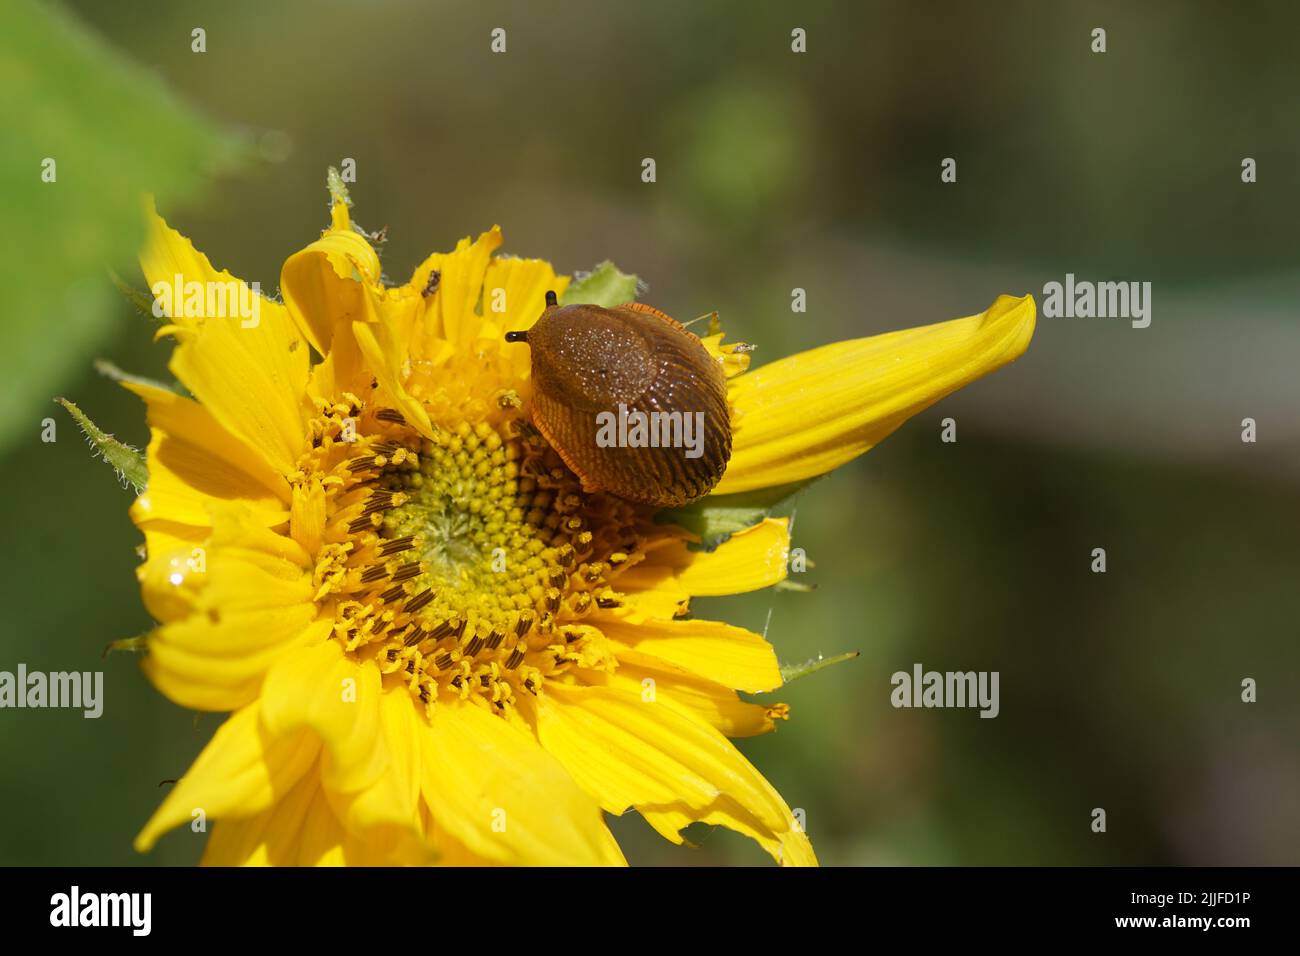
[
  {"x": 404, "y": 727},
  {"x": 369, "y": 766},
  {"x": 748, "y": 560},
  {"x": 325, "y": 284},
  {"x": 807, "y": 414},
  {"x": 790, "y": 848},
  {"x": 275, "y": 837},
  {"x": 321, "y": 838},
  {"x": 194, "y": 461},
  {"x": 495, "y": 789},
  {"x": 343, "y": 369},
  {"x": 307, "y": 520},
  {"x": 719, "y": 706},
  {"x": 630, "y": 753},
  {"x": 195, "y": 468},
  {"x": 662, "y": 603},
  {"x": 252, "y": 379},
  {"x": 727, "y": 655},
  {"x": 386, "y": 353},
  {"x": 220, "y": 666},
  {"x": 384, "y": 822},
  {"x": 734, "y": 358},
  {"x": 171, "y": 539},
  {"x": 240, "y": 773},
  {"x": 252, "y": 605},
  {"x": 169, "y": 580},
  {"x": 452, "y": 313},
  {"x": 321, "y": 688},
  {"x": 448, "y": 851},
  {"x": 523, "y": 284},
  {"x": 302, "y": 829}
]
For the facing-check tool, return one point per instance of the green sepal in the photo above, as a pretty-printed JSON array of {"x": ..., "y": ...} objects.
[
  {"x": 715, "y": 518},
  {"x": 128, "y": 462},
  {"x": 142, "y": 301},
  {"x": 110, "y": 371},
  {"x": 135, "y": 645},
  {"x": 785, "y": 584},
  {"x": 791, "y": 672}
]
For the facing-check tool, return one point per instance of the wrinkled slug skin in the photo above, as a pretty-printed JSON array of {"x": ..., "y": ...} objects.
[{"x": 587, "y": 360}]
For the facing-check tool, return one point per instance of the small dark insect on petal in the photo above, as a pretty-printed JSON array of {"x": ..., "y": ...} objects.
[{"x": 432, "y": 285}]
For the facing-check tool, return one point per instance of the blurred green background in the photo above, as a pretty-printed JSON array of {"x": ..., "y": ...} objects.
[{"x": 775, "y": 170}]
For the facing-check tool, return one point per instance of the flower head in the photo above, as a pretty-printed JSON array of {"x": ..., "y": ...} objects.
[{"x": 433, "y": 644}]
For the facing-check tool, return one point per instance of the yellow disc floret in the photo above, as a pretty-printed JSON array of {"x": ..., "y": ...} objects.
[{"x": 463, "y": 562}]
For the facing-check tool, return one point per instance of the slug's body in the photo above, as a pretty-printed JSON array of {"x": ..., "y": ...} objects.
[{"x": 597, "y": 370}]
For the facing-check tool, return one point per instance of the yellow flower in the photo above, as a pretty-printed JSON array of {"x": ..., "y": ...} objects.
[{"x": 433, "y": 646}]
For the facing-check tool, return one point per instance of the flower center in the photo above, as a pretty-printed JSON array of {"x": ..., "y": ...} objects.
[
  {"x": 464, "y": 563},
  {"x": 491, "y": 545}
]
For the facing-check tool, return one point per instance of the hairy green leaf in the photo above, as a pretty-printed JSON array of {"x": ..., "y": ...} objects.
[
  {"x": 128, "y": 462},
  {"x": 84, "y": 136}
]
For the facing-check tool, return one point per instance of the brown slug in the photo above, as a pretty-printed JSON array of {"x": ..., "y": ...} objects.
[{"x": 633, "y": 402}]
